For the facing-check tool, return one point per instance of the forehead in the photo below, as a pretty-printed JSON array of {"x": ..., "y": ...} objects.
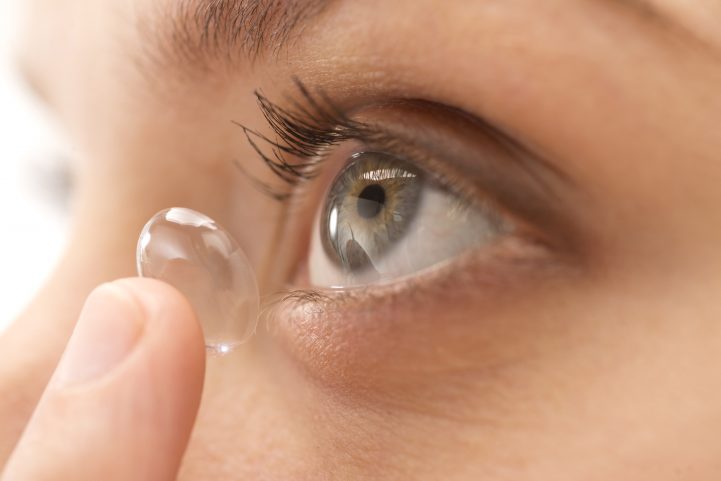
[{"x": 198, "y": 32}]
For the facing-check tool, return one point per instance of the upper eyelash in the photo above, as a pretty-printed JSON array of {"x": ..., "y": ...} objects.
[
  {"x": 303, "y": 133},
  {"x": 315, "y": 123}
]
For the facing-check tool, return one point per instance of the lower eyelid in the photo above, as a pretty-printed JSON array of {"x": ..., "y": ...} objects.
[{"x": 341, "y": 332}]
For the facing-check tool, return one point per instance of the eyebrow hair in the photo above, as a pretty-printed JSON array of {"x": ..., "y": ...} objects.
[{"x": 202, "y": 30}]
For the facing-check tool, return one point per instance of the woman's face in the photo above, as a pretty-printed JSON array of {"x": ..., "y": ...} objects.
[{"x": 547, "y": 304}]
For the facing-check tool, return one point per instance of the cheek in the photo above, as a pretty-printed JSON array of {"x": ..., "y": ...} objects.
[
  {"x": 252, "y": 423},
  {"x": 503, "y": 373}
]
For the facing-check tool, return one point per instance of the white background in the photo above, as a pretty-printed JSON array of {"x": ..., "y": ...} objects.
[{"x": 33, "y": 219}]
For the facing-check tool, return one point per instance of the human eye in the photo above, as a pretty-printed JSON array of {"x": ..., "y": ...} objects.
[
  {"x": 404, "y": 187},
  {"x": 384, "y": 218}
]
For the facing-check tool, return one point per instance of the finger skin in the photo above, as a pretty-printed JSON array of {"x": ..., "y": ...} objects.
[
  {"x": 131, "y": 423},
  {"x": 33, "y": 344}
]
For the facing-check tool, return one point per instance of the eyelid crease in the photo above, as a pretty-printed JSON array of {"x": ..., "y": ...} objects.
[{"x": 433, "y": 124}]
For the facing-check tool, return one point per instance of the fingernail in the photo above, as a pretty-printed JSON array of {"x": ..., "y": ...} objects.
[{"x": 109, "y": 326}]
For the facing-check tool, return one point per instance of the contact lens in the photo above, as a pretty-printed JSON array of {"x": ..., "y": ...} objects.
[{"x": 202, "y": 260}]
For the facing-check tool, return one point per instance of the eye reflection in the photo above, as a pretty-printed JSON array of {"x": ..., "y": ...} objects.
[
  {"x": 371, "y": 201},
  {"x": 383, "y": 219}
]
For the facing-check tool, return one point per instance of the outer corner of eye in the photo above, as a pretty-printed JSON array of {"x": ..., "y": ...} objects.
[{"x": 384, "y": 219}]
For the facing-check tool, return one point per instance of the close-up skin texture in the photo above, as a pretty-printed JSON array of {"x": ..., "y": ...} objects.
[{"x": 559, "y": 321}]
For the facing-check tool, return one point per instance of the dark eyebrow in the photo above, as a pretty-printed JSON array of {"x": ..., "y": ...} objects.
[
  {"x": 201, "y": 30},
  {"x": 196, "y": 33}
]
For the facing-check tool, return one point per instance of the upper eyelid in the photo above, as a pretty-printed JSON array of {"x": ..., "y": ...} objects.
[
  {"x": 316, "y": 123},
  {"x": 518, "y": 180},
  {"x": 501, "y": 171},
  {"x": 425, "y": 136},
  {"x": 307, "y": 131}
]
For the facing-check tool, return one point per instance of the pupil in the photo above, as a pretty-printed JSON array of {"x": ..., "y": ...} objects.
[{"x": 371, "y": 200}]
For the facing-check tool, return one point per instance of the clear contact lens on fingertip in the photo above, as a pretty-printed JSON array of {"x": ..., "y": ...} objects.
[{"x": 191, "y": 252}]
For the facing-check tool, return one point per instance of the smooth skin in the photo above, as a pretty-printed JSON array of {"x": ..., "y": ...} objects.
[{"x": 604, "y": 369}]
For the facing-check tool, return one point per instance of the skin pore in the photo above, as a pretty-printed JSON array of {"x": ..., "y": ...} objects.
[{"x": 594, "y": 359}]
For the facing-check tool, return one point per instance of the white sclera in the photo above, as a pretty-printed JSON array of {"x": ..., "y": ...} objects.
[{"x": 202, "y": 260}]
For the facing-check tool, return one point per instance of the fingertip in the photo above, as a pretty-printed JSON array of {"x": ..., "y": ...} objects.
[
  {"x": 163, "y": 303},
  {"x": 156, "y": 296},
  {"x": 169, "y": 314}
]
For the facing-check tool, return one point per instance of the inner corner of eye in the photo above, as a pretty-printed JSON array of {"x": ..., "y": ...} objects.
[{"x": 383, "y": 220}]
